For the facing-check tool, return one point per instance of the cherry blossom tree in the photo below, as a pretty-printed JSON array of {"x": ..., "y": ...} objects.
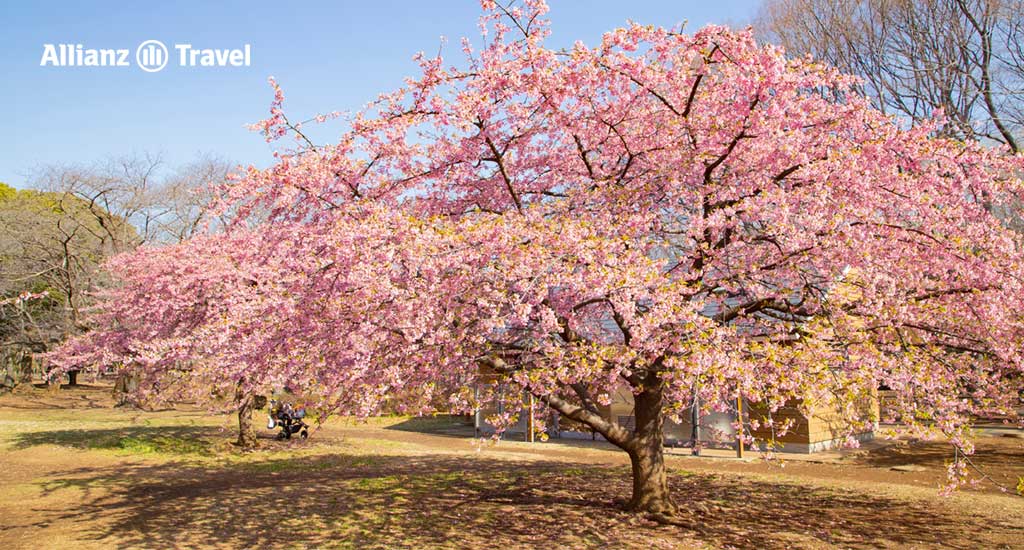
[{"x": 686, "y": 216}]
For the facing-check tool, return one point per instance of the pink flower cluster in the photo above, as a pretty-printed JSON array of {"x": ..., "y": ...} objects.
[{"x": 670, "y": 213}]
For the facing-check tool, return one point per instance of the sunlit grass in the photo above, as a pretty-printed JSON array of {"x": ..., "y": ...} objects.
[{"x": 175, "y": 480}]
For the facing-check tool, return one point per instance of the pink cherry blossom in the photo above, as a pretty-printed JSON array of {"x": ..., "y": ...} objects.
[{"x": 675, "y": 214}]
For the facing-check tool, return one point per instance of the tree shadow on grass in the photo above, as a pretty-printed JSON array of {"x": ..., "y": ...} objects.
[
  {"x": 1001, "y": 459},
  {"x": 993, "y": 450},
  {"x": 174, "y": 440},
  {"x": 446, "y": 501},
  {"x": 441, "y": 424},
  {"x": 40, "y": 396}
]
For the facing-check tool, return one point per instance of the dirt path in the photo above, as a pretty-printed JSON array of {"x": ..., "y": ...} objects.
[{"x": 75, "y": 473}]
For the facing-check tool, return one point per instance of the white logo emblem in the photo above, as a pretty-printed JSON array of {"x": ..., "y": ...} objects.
[{"x": 151, "y": 56}]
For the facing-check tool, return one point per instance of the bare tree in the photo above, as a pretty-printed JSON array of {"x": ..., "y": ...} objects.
[
  {"x": 119, "y": 187},
  {"x": 158, "y": 206},
  {"x": 185, "y": 198},
  {"x": 52, "y": 243},
  {"x": 55, "y": 238},
  {"x": 914, "y": 56}
]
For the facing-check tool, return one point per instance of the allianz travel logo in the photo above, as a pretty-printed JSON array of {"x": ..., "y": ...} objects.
[{"x": 151, "y": 56}]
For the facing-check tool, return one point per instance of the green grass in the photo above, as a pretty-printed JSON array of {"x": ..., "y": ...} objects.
[
  {"x": 371, "y": 443},
  {"x": 134, "y": 440},
  {"x": 157, "y": 445},
  {"x": 377, "y": 483}
]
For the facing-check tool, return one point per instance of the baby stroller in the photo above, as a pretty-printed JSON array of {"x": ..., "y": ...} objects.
[{"x": 288, "y": 418}]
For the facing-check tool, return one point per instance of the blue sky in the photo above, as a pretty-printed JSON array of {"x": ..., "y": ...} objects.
[{"x": 327, "y": 56}]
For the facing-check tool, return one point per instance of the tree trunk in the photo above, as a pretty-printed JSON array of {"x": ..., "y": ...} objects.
[
  {"x": 695, "y": 423},
  {"x": 53, "y": 381},
  {"x": 125, "y": 386},
  {"x": 27, "y": 367},
  {"x": 72, "y": 377},
  {"x": 646, "y": 453},
  {"x": 246, "y": 432},
  {"x": 645, "y": 445}
]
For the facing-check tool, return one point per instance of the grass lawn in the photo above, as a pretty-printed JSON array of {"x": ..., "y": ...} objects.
[{"x": 75, "y": 472}]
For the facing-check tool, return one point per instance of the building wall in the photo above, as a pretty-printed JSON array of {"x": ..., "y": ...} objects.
[{"x": 821, "y": 430}]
